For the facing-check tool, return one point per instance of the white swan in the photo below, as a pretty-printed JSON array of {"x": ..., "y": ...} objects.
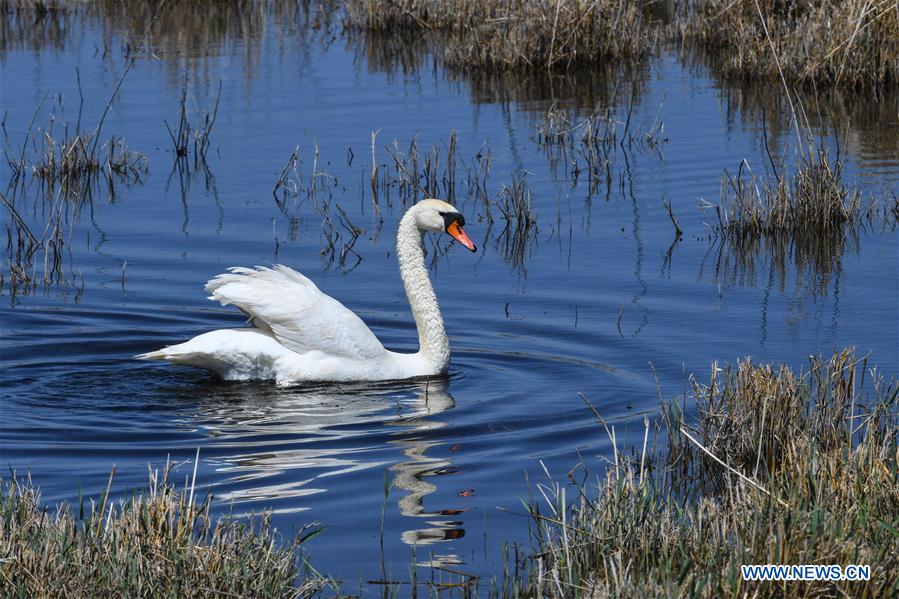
[{"x": 301, "y": 334}]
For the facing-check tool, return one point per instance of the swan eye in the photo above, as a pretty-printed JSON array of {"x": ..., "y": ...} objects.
[{"x": 452, "y": 217}]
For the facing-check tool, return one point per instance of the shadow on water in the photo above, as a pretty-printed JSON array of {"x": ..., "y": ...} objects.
[
  {"x": 862, "y": 123},
  {"x": 186, "y": 34},
  {"x": 404, "y": 54}
]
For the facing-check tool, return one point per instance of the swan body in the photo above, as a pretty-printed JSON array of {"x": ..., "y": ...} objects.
[{"x": 301, "y": 334}]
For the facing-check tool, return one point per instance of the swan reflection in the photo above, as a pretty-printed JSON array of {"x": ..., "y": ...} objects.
[
  {"x": 413, "y": 474},
  {"x": 280, "y": 446}
]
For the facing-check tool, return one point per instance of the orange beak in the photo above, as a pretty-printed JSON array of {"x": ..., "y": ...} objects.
[{"x": 459, "y": 235}]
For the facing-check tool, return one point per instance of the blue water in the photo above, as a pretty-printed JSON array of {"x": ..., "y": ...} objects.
[{"x": 596, "y": 303}]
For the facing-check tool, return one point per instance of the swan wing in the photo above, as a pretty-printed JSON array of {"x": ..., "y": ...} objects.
[{"x": 294, "y": 309}]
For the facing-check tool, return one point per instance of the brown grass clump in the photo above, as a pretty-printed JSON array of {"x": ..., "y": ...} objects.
[
  {"x": 813, "y": 202},
  {"x": 809, "y": 217},
  {"x": 76, "y": 167},
  {"x": 519, "y": 230},
  {"x": 777, "y": 468},
  {"x": 161, "y": 544},
  {"x": 823, "y": 42},
  {"x": 518, "y": 34}
]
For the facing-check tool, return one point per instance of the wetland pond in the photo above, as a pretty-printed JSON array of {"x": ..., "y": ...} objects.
[{"x": 579, "y": 284}]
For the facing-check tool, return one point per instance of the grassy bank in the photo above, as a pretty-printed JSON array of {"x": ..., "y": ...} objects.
[
  {"x": 777, "y": 468},
  {"x": 517, "y": 34},
  {"x": 812, "y": 42},
  {"x": 163, "y": 543}
]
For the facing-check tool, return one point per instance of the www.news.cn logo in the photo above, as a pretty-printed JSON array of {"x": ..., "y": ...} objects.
[{"x": 806, "y": 572}]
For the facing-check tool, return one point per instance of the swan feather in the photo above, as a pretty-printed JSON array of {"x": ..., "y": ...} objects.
[{"x": 299, "y": 315}]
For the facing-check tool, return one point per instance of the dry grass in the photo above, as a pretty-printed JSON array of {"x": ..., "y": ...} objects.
[
  {"x": 519, "y": 222},
  {"x": 810, "y": 477},
  {"x": 163, "y": 543},
  {"x": 56, "y": 172},
  {"x": 65, "y": 158},
  {"x": 517, "y": 34},
  {"x": 775, "y": 467},
  {"x": 294, "y": 188},
  {"x": 808, "y": 216},
  {"x": 410, "y": 175},
  {"x": 190, "y": 141},
  {"x": 814, "y": 42},
  {"x": 819, "y": 42},
  {"x": 75, "y": 167},
  {"x": 587, "y": 147},
  {"x": 813, "y": 202}
]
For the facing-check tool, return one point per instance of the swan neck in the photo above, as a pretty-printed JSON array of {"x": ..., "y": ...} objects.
[{"x": 433, "y": 342}]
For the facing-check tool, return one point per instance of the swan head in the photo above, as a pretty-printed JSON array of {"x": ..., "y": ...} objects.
[{"x": 438, "y": 216}]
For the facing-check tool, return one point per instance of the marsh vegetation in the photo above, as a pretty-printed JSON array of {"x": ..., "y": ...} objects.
[
  {"x": 823, "y": 44},
  {"x": 191, "y": 140},
  {"x": 776, "y": 467},
  {"x": 799, "y": 464},
  {"x": 162, "y": 542},
  {"x": 518, "y": 35},
  {"x": 313, "y": 126},
  {"x": 807, "y": 215},
  {"x": 56, "y": 172},
  {"x": 808, "y": 43}
]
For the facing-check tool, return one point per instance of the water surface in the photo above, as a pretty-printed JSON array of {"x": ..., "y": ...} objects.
[{"x": 592, "y": 301}]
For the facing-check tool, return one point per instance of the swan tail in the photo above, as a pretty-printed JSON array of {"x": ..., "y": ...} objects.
[
  {"x": 183, "y": 354},
  {"x": 234, "y": 354},
  {"x": 177, "y": 354},
  {"x": 159, "y": 354}
]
